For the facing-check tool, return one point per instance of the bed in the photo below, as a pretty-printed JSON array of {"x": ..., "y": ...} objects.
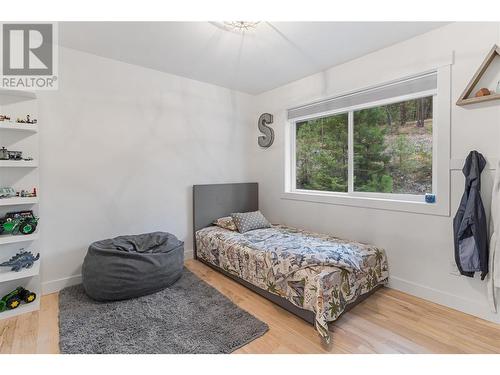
[{"x": 315, "y": 276}]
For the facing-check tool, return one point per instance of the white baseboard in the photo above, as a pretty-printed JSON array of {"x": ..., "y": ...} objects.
[
  {"x": 188, "y": 254},
  {"x": 53, "y": 286},
  {"x": 481, "y": 310}
]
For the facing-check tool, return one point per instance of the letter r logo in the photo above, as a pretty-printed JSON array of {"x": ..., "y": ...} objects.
[{"x": 27, "y": 49}]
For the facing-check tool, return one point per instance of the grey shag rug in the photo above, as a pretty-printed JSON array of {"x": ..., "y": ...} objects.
[{"x": 187, "y": 317}]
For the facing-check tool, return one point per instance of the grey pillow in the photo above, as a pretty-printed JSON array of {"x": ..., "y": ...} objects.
[{"x": 246, "y": 221}]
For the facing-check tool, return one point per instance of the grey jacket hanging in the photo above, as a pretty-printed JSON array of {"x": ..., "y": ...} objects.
[{"x": 469, "y": 225}]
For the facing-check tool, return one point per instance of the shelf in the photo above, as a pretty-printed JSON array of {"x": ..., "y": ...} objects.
[
  {"x": 23, "y": 309},
  {"x": 18, "y": 127},
  {"x": 464, "y": 99},
  {"x": 7, "y": 275},
  {"x": 479, "y": 99},
  {"x": 26, "y": 137},
  {"x": 8, "y": 238},
  {"x": 18, "y": 201},
  {"x": 18, "y": 164}
]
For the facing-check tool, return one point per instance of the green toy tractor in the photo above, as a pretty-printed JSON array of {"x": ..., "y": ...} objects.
[
  {"x": 19, "y": 222},
  {"x": 13, "y": 299}
]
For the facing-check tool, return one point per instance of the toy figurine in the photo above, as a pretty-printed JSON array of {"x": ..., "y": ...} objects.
[
  {"x": 14, "y": 299},
  {"x": 4, "y": 154},
  {"x": 15, "y": 155},
  {"x": 4, "y": 118},
  {"x": 7, "y": 192},
  {"x": 19, "y": 222},
  {"x": 10, "y": 155},
  {"x": 28, "y": 120},
  {"x": 23, "y": 259},
  {"x": 27, "y": 194}
]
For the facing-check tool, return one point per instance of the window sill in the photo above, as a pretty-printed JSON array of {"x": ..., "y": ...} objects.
[{"x": 369, "y": 202}]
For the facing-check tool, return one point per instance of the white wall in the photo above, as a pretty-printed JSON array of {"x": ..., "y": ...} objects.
[
  {"x": 121, "y": 147},
  {"x": 419, "y": 247}
]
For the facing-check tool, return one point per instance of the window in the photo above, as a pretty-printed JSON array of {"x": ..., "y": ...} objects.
[
  {"x": 374, "y": 148},
  {"x": 393, "y": 148},
  {"x": 321, "y": 147}
]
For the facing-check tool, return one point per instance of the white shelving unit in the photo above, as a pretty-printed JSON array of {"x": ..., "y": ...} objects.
[
  {"x": 8, "y": 239},
  {"x": 23, "y": 274},
  {"x": 18, "y": 201},
  {"x": 20, "y": 175},
  {"x": 19, "y": 127},
  {"x": 22, "y": 309},
  {"x": 18, "y": 164}
]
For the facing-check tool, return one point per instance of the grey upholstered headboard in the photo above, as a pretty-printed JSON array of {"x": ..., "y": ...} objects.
[{"x": 211, "y": 202}]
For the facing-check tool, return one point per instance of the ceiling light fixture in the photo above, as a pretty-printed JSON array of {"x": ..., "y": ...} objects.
[{"x": 241, "y": 25}]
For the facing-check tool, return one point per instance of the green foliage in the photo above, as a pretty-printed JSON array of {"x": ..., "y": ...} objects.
[
  {"x": 392, "y": 150},
  {"x": 322, "y": 154},
  {"x": 370, "y": 160}
]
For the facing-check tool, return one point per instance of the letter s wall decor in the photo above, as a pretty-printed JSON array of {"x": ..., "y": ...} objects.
[{"x": 267, "y": 139}]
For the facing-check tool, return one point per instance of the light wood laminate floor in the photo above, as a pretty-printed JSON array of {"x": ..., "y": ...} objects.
[{"x": 387, "y": 322}]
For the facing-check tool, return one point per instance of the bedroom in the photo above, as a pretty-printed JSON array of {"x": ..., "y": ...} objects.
[{"x": 352, "y": 151}]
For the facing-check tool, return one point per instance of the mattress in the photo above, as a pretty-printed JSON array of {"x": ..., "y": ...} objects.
[{"x": 315, "y": 272}]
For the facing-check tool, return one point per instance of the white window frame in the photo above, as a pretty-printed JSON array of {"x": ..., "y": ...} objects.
[{"x": 386, "y": 201}]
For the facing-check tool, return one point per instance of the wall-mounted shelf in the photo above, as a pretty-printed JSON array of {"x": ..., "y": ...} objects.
[
  {"x": 27, "y": 272},
  {"x": 17, "y": 201},
  {"x": 8, "y": 238},
  {"x": 19, "y": 127},
  {"x": 18, "y": 175},
  {"x": 464, "y": 99},
  {"x": 23, "y": 309},
  {"x": 479, "y": 99},
  {"x": 18, "y": 164}
]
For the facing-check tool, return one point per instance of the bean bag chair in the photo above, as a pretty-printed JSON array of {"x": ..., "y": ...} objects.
[{"x": 132, "y": 266}]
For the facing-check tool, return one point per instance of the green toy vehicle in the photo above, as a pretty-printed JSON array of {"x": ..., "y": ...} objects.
[
  {"x": 13, "y": 299},
  {"x": 18, "y": 222}
]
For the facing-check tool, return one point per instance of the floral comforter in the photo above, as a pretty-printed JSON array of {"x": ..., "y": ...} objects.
[{"x": 316, "y": 272}]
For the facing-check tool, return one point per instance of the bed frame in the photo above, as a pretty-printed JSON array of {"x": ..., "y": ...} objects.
[{"x": 211, "y": 202}]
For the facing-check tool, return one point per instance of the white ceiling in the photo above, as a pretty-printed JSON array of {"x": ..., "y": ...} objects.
[{"x": 273, "y": 54}]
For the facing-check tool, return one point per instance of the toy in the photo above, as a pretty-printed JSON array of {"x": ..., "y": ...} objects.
[
  {"x": 15, "y": 155},
  {"x": 14, "y": 299},
  {"x": 7, "y": 192},
  {"x": 18, "y": 222},
  {"x": 12, "y": 155},
  {"x": 4, "y": 118},
  {"x": 26, "y": 121},
  {"x": 483, "y": 92},
  {"x": 4, "y": 154},
  {"x": 26, "y": 193},
  {"x": 23, "y": 259}
]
